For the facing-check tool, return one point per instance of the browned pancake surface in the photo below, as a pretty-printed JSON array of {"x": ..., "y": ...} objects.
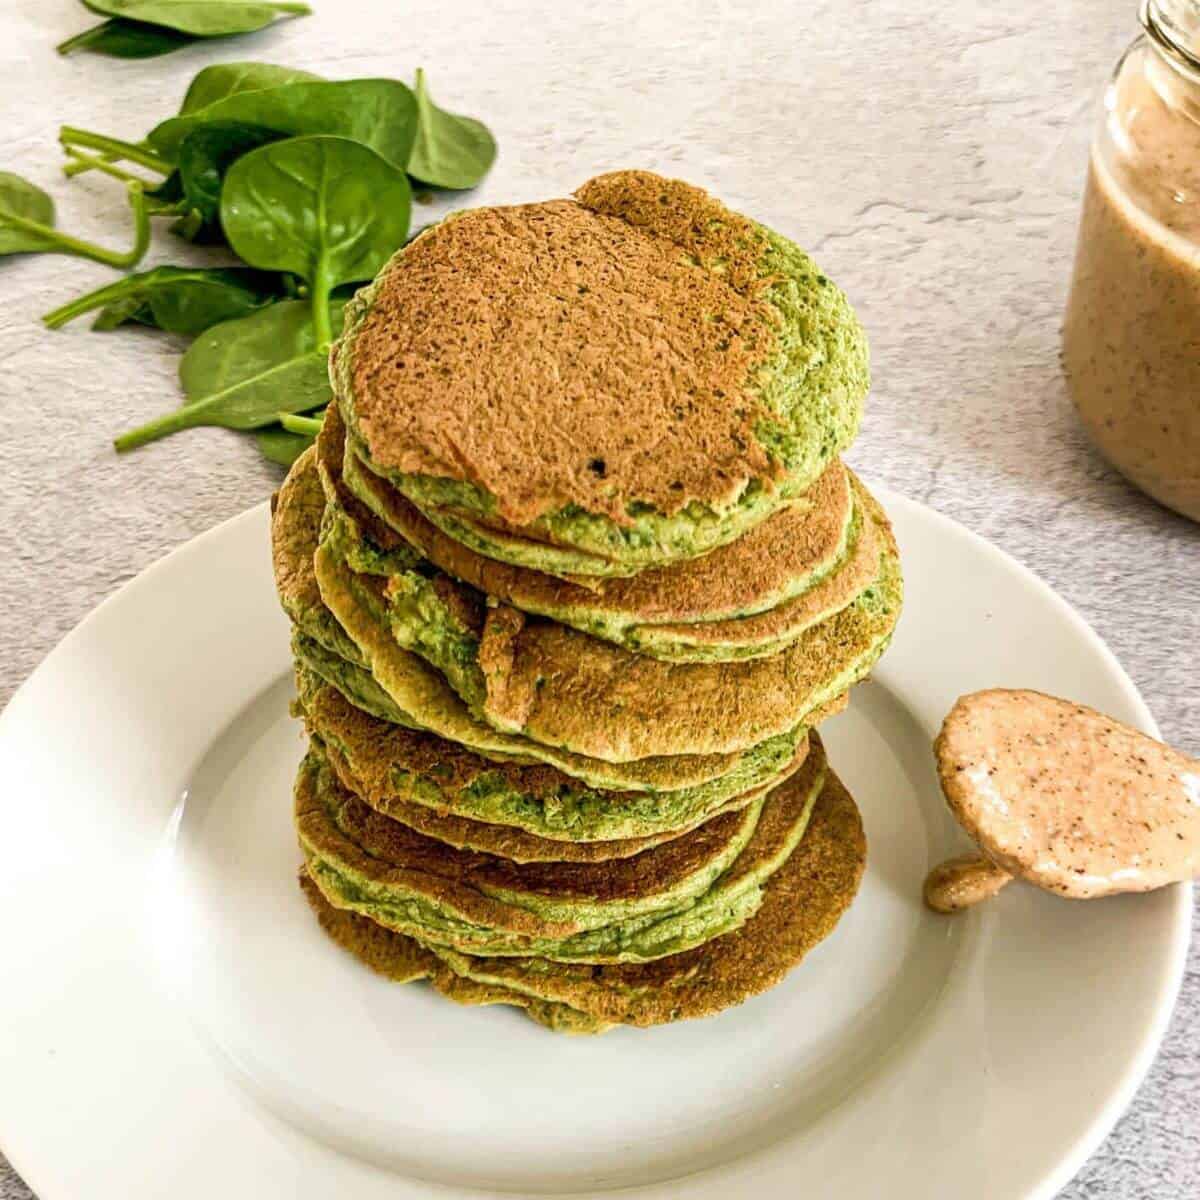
[
  {"x": 495, "y": 892},
  {"x": 403, "y": 960},
  {"x": 494, "y": 325},
  {"x": 507, "y": 841},
  {"x": 296, "y": 512},
  {"x": 803, "y": 902},
  {"x": 386, "y": 765},
  {"x": 562, "y": 687},
  {"x": 737, "y": 577}
]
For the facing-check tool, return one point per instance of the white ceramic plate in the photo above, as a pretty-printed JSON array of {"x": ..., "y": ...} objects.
[{"x": 172, "y": 1022}]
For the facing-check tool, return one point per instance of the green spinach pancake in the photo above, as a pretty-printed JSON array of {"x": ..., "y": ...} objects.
[
  {"x": 548, "y": 683},
  {"x": 598, "y": 385},
  {"x": 403, "y": 960},
  {"x": 395, "y": 685},
  {"x": 457, "y": 893},
  {"x": 802, "y": 903},
  {"x": 441, "y": 713},
  {"x": 573, "y": 570},
  {"x": 297, "y": 512},
  {"x": 668, "y": 899},
  {"x": 748, "y": 599},
  {"x": 523, "y": 811}
]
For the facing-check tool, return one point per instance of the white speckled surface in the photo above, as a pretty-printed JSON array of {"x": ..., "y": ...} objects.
[{"x": 930, "y": 153}]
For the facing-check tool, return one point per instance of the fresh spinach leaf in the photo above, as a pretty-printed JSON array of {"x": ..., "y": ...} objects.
[
  {"x": 200, "y": 18},
  {"x": 186, "y": 300},
  {"x": 205, "y": 155},
  {"x": 20, "y": 198},
  {"x": 121, "y": 38},
  {"x": 379, "y": 113},
  {"x": 242, "y": 374},
  {"x": 324, "y": 208},
  {"x": 27, "y": 225},
  {"x": 450, "y": 151},
  {"x": 277, "y": 445},
  {"x": 227, "y": 79},
  {"x": 207, "y": 87}
]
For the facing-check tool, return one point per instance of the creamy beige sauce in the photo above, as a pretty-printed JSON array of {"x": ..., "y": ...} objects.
[
  {"x": 962, "y": 882},
  {"x": 1068, "y": 798},
  {"x": 1131, "y": 336}
]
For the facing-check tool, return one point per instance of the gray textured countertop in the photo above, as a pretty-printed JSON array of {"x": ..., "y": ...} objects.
[{"x": 931, "y": 154}]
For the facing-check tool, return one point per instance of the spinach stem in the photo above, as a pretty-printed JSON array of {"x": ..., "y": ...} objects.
[
  {"x": 63, "y": 243},
  {"x": 85, "y": 304},
  {"x": 70, "y": 137},
  {"x": 88, "y": 162},
  {"x": 77, "y": 167},
  {"x": 293, "y": 423},
  {"x": 165, "y": 208},
  {"x": 172, "y": 422},
  {"x": 321, "y": 288}
]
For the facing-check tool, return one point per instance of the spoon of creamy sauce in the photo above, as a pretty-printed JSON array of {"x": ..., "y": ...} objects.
[{"x": 1062, "y": 796}]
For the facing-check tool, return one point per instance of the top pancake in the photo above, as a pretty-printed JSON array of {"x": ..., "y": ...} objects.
[{"x": 638, "y": 375}]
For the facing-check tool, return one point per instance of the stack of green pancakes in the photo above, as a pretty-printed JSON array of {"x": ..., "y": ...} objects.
[{"x": 574, "y": 570}]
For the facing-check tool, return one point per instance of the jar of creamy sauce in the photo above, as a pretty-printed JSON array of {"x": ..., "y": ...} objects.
[{"x": 1131, "y": 338}]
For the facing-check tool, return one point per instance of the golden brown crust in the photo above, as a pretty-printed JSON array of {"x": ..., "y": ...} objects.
[
  {"x": 386, "y": 764},
  {"x": 494, "y": 892},
  {"x": 685, "y": 215},
  {"x": 565, "y": 688},
  {"x": 403, "y": 960},
  {"x": 506, "y": 841},
  {"x": 802, "y": 904},
  {"x": 296, "y": 512},
  {"x": 488, "y": 329},
  {"x": 832, "y": 593},
  {"x": 738, "y": 577},
  {"x": 420, "y": 688}
]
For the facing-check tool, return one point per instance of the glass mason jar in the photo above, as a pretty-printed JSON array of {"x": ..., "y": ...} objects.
[{"x": 1131, "y": 337}]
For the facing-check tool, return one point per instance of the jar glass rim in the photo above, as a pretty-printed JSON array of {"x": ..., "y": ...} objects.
[{"x": 1173, "y": 26}]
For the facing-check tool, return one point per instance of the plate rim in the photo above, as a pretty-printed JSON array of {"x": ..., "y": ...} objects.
[{"x": 1072, "y": 1157}]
